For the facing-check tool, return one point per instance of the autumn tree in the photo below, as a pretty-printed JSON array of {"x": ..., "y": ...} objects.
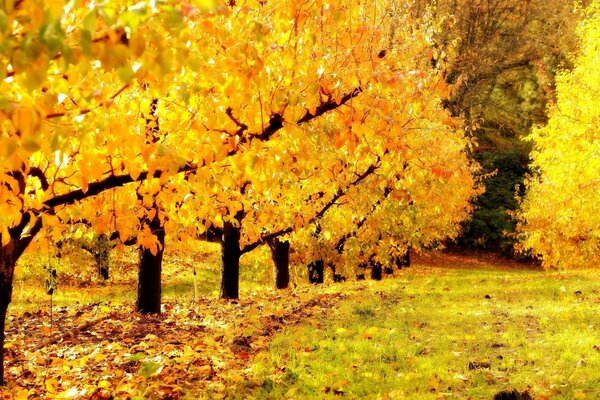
[
  {"x": 558, "y": 218},
  {"x": 419, "y": 203},
  {"x": 502, "y": 56}
]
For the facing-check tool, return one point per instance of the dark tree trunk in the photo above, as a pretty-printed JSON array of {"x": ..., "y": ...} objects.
[
  {"x": 230, "y": 262},
  {"x": 336, "y": 277},
  {"x": 280, "y": 253},
  {"x": 101, "y": 255},
  {"x": 149, "y": 272},
  {"x": 5, "y": 294},
  {"x": 9, "y": 254},
  {"x": 315, "y": 271},
  {"x": 404, "y": 260},
  {"x": 376, "y": 270}
]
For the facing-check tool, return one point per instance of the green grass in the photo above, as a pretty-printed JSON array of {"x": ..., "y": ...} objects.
[
  {"x": 414, "y": 337},
  {"x": 424, "y": 334}
]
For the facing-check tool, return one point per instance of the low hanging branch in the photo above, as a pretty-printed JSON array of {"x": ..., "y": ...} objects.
[{"x": 31, "y": 224}]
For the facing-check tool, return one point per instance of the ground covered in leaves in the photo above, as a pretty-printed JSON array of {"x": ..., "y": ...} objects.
[
  {"x": 453, "y": 326},
  {"x": 105, "y": 351}
]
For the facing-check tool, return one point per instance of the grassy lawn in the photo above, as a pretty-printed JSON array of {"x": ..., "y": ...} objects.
[
  {"x": 440, "y": 333},
  {"x": 450, "y": 327}
]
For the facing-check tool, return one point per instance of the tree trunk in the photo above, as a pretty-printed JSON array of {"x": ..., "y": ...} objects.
[
  {"x": 149, "y": 272},
  {"x": 230, "y": 262},
  {"x": 9, "y": 254},
  {"x": 376, "y": 270},
  {"x": 404, "y": 260},
  {"x": 315, "y": 271},
  {"x": 336, "y": 277},
  {"x": 280, "y": 253},
  {"x": 101, "y": 255},
  {"x": 5, "y": 294}
]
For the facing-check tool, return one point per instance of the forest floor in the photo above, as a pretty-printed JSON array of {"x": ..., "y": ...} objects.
[{"x": 452, "y": 326}]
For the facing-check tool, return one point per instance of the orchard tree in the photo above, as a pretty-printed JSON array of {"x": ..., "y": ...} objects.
[
  {"x": 558, "y": 219},
  {"x": 374, "y": 104},
  {"x": 417, "y": 204}
]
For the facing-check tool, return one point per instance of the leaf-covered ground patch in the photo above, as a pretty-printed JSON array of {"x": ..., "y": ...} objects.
[{"x": 106, "y": 351}]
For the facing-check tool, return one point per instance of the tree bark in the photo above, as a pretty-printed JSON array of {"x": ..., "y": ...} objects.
[
  {"x": 230, "y": 262},
  {"x": 376, "y": 270},
  {"x": 101, "y": 255},
  {"x": 315, "y": 272},
  {"x": 9, "y": 254},
  {"x": 404, "y": 260},
  {"x": 5, "y": 295},
  {"x": 149, "y": 272},
  {"x": 280, "y": 253}
]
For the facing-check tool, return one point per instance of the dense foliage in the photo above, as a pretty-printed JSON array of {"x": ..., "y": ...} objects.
[
  {"x": 502, "y": 57},
  {"x": 559, "y": 219},
  {"x": 241, "y": 122}
]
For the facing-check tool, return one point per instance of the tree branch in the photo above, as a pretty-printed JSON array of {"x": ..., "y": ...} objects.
[
  {"x": 338, "y": 194},
  {"x": 276, "y": 120},
  {"x": 88, "y": 110},
  {"x": 111, "y": 182},
  {"x": 38, "y": 173},
  {"x": 341, "y": 243},
  {"x": 329, "y": 106}
]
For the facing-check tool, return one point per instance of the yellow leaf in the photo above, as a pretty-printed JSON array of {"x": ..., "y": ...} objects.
[
  {"x": 22, "y": 394},
  {"x": 104, "y": 384},
  {"x": 51, "y": 385},
  {"x": 25, "y": 121},
  {"x": 369, "y": 333},
  {"x": 105, "y": 309},
  {"x": 341, "y": 331}
]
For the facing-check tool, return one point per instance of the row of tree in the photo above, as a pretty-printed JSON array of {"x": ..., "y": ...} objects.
[
  {"x": 329, "y": 128},
  {"x": 247, "y": 124}
]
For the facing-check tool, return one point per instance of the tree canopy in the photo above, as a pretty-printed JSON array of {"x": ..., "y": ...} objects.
[{"x": 559, "y": 219}]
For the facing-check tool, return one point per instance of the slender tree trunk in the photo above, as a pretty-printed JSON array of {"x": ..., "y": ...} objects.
[
  {"x": 9, "y": 254},
  {"x": 404, "y": 260},
  {"x": 230, "y": 262},
  {"x": 5, "y": 294},
  {"x": 149, "y": 272},
  {"x": 315, "y": 272},
  {"x": 376, "y": 270},
  {"x": 102, "y": 256},
  {"x": 280, "y": 253}
]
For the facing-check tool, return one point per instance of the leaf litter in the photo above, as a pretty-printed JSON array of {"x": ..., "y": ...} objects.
[{"x": 105, "y": 351}]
